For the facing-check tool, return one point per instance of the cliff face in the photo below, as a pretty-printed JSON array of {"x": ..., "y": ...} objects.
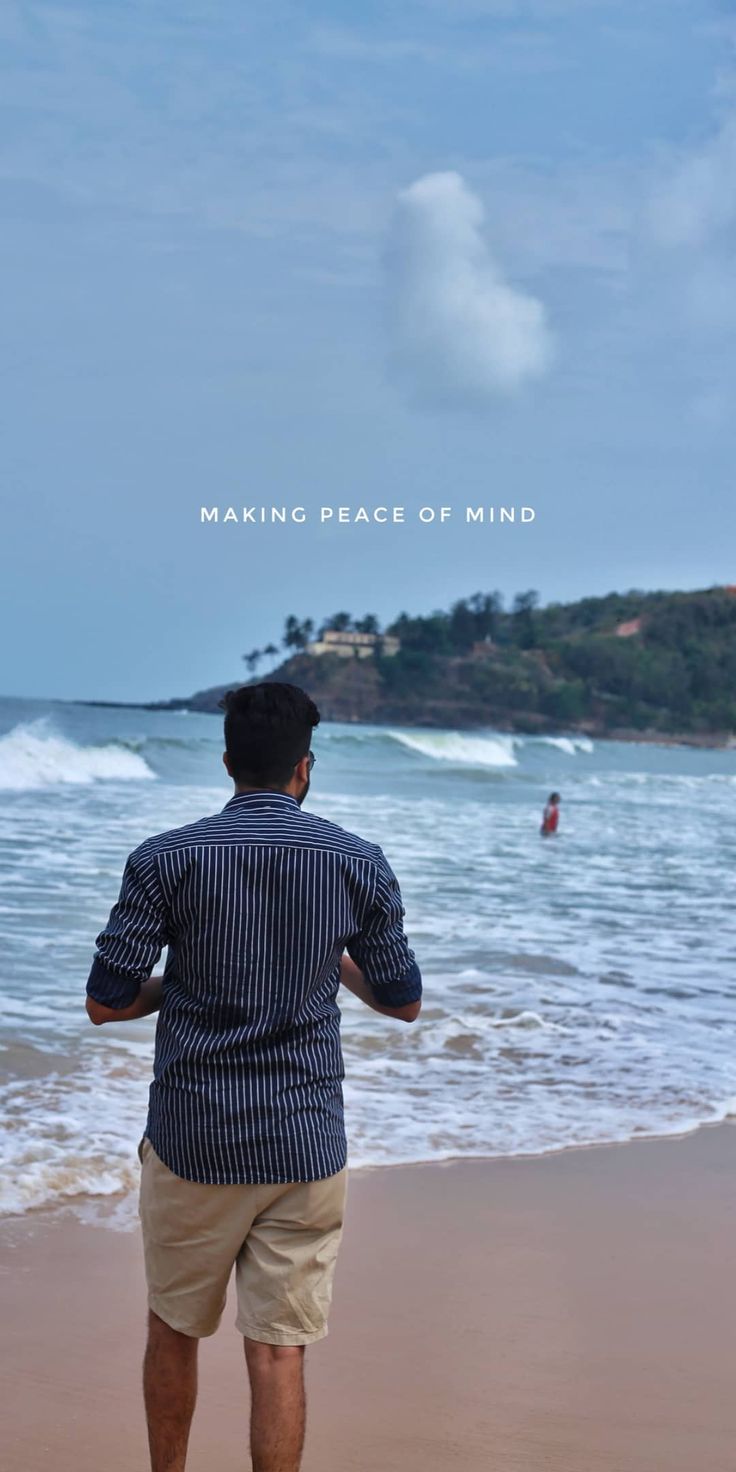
[
  {"x": 354, "y": 691},
  {"x": 360, "y": 690},
  {"x": 344, "y": 689}
]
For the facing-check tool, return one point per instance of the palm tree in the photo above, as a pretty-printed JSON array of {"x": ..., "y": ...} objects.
[
  {"x": 253, "y": 659},
  {"x": 297, "y": 635}
]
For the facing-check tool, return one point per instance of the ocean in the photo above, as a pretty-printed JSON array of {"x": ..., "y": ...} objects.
[{"x": 577, "y": 990}]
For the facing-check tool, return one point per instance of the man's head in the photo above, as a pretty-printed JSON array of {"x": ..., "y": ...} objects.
[
  {"x": 268, "y": 731},
  {"x": 555, "y": 798}
]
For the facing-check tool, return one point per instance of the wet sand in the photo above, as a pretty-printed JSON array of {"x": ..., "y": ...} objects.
[{"x": 575, "y": 1313}]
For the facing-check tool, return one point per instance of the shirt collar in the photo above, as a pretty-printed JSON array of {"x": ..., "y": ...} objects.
[{"x": 262, "y": 799}]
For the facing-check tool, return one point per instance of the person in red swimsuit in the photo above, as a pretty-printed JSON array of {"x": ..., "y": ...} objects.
[{"x": 551, "y": 815}]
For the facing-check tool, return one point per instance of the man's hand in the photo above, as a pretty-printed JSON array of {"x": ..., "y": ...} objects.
[
  {"x": 148, "y": 1000},
  {"x": 353, "y": 979}
]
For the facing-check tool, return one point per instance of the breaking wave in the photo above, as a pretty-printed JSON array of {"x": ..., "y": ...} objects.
[
  {"x": 33, "y": 756},
  {"x": 459, "y": 750},
  {"x": 569, "y": 744},
  {"x": 487, "y": 749}
]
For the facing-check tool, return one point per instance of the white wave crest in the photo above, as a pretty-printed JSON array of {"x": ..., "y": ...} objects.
[
  {"x": 569, "y": 744},
  {"x": 33, "y": 756},
  {"x": 65, "y": 1137},
  {"x": 521, "y": 1019},
  {"x": 459, "y": 750}
]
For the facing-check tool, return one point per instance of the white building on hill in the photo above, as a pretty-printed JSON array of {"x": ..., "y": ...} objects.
[{"x": 350, "y": 645}]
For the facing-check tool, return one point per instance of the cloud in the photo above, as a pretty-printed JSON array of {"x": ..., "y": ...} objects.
[
  {"x": 508, "y": 49},
  {"x": 691, "y": 223},
  {"x": 462, "y": 335},
  {"x": 697, "y": 202},
  {"x": 544, "y": 10}
]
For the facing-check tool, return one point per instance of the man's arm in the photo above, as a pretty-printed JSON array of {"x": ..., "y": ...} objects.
[
  {"x": 148, "y": 1000},
  {"x": 380, "y": 967},
  {"x": 120, "y": 985},
  {"x": 352, "y": 978}
]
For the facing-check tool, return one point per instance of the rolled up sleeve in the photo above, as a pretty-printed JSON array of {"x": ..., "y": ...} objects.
[
  {"x": 131, "y": 943},
  {"x": 380, "y": 948}
]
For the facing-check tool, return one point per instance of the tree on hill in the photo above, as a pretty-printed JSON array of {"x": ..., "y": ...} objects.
[
  {"x": 297, "y": 633},
  {"x": 430, "y": 633},
  {"x": 463, "y": 627},
  {"x": 523, "y": 624},
  {"x": 487, "y": 609},
  {"x": 253, "y": 659},
  {"x": 341, "y": 622}
]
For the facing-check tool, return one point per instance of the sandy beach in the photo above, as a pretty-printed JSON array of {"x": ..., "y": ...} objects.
[{"x": 573, "y": 1313}]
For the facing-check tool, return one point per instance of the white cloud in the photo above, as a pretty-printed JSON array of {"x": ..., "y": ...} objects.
[
  {"x": 697, "y": 202},
  {"x": 461, "y": 333},
  {"x": 691, "y": 222}
]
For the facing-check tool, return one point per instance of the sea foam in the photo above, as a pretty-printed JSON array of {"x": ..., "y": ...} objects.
[
  {"x": 34, "y": 755},
  {"x": 460, "y": 750},
  {"x": 569, "y": 744},
  {"x": 574, "y": 993}
]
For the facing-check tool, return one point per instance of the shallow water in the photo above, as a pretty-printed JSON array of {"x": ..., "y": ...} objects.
[{"x": 577, "y": 990}]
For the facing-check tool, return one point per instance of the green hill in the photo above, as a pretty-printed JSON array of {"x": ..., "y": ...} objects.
[{"x": 622, "y": 665}]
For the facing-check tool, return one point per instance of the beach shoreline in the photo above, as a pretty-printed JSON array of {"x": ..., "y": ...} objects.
[
  {"x": 117, "y": 1210},
  {"x": 569, "y": 1312}
]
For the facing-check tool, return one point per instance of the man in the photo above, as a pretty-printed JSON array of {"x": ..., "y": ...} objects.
[{"x": 244, "y": 1154}]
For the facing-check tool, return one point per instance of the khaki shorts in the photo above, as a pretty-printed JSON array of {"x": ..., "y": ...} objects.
[{"x": 282, "y": 1241}]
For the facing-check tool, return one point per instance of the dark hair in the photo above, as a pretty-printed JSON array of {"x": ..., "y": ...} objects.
[
  {"x": 268, "y": 729},
  {"x": 554, "y": 797}
]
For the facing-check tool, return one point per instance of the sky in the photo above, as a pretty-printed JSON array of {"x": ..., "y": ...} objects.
[{"x": 442, "y": 253}]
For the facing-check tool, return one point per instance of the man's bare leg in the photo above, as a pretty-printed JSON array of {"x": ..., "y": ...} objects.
[
  {"x": 278, "y": 1405},
  {"x": 170, "y": 1393}
]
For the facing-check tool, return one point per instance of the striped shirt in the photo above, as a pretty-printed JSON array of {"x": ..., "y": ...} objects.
[{"x": 255, "y": 905}]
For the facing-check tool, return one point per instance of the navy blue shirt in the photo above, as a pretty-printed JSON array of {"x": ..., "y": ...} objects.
[{"x": 255, "y": 905}]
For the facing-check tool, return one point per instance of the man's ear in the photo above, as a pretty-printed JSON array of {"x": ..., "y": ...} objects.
[
  {"x": 226, "y": 763},
  {"x": 301, "y": 770}
]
